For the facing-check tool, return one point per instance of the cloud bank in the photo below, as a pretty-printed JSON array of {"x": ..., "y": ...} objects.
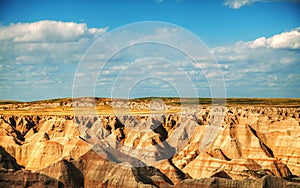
[
  {"x": 48, "y": 31},
  {"x": 285, "y": 40},
  {"x": 41, "y": 57},
  {"x": 38, "y": 60},
  {"x": 266, "y": 65}
]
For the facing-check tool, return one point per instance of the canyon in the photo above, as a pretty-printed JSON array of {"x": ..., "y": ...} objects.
[{"x": 150, "y": 142}]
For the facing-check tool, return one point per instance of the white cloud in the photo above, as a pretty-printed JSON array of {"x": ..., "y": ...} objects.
[
  {"x": 236, "y": 4},
  {"x": 45, "y": 42},
  {"x": 43, "y": 55},
  {"x": 47, "y": 31},
  {"x": 290, "y": 40},
  {"x": 263, "y": 47},
  {"x": 263, "y": 63}
]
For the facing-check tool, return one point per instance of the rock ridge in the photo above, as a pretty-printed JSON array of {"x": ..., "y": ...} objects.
[{"x": 257, "y": 146}]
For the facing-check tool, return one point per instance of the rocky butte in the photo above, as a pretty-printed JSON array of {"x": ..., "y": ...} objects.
[{"x": 150, "y": 142}]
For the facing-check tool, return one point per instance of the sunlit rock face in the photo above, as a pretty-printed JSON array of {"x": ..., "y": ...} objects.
[{"x": 254, "y": 146}]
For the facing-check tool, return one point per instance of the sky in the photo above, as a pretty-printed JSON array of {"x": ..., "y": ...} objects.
[{"x": 253, "y": 45}]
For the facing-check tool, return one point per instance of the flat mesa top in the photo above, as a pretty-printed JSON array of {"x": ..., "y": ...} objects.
[{"x": 88, "y": 105}]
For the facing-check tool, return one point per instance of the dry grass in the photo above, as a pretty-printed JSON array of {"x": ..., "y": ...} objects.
[{"x": 36, "y": 107}]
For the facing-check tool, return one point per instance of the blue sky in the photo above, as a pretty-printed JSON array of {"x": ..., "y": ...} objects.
[
  {"x": 256, "y": 44},
  {"x": 211, "y": 20}
]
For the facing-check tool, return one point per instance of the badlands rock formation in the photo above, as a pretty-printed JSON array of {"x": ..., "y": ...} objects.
[{"x": 243, "y": 145}]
